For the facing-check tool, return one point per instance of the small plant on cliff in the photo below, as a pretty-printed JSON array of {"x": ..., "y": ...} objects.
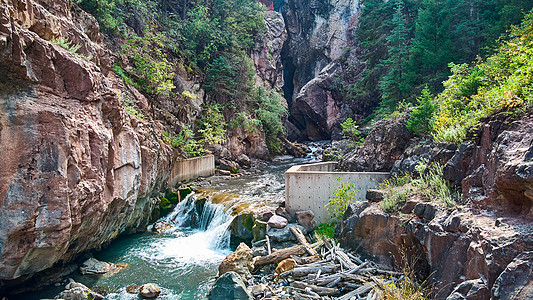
[
  {"x": 343, "y": 195},
  {"x": 65, "y": 43},
  {"x": 397, "y": 190},
  {"x": 432, "y": 185},
  {"x": 351, "y": 132},
  {"x": 184, "y": 140},
  {"x": 421, "y": 118}
]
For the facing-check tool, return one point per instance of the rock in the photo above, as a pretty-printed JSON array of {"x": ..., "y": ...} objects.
[
  {"x": 264, "y": 213},
  {"x": 259, "y": 230},
  {"x": 285, "y": 265},
  {"x": 94, "y": 266},
  {"x": 277, "y": 222},
  {"x": 244, "y": 161},
  {"x": 281, "y": 211},
  {"x": 470, "y": 290},
  {"x": 241, "y": 226},
  {"x": 149, "y": 290},
  {"x": 306, "y": 218},
  {"x": 385, "y": 143},
  {"x": 77, "y": 291},
  {"x": 284, "y": 235},
  {"x": 516, "y": 281},
  {"x": 229, "y": 286},
  {"x": 373, "y": 195},
  {"x": 240, "y": 262},
  {"x": 133, "y": 289},
  {"x": 258, "y": 289},
  {"x": 161, "y": 226},
  {"x": 228, "y": 165}
]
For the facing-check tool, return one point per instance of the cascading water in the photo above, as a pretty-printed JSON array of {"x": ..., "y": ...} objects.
[{"x": 182, "y": 260}]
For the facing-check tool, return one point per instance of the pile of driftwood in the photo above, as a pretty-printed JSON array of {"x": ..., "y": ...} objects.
[{"x": 318, "y": 271}]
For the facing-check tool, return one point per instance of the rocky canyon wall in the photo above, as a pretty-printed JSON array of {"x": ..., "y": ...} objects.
[{"x": 76, "y": 169}]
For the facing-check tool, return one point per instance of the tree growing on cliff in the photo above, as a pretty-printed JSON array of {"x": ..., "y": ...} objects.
[
  {"x": 394, "y": 85},
  {"x": 420, "y": 120}
]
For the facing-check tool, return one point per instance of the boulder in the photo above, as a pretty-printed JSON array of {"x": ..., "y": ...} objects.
[
  {"x": 149, "y": 290},
  {"x": 229, "y": 286},
  {"x": 241, "y": 226},
  {"x": 240, "y": 262},
  {"x": 306, "y": 218},
  {"x": 259, "y": 230},
  {"x": 228, "y": 165},
  {"x": 277, "y": 222},
  {"x": 77, "y": 291},
  {"x": 373, "y": 195},
  {"x": 92, "y": 266},
  {"x": 516, "y": 281},
  {"x": 281, "y": 211},
  {"x": 161, "y": 226},
  {"x": 284, "y": 234},
  {"x": 470, "y": 290},
  {"x": 132, "y": 289}
]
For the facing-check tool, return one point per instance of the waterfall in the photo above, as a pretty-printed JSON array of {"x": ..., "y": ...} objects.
[{"x": 209, "y": 219}]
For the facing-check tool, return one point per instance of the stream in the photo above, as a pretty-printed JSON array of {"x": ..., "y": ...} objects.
[{"x": 183, "y": 261}]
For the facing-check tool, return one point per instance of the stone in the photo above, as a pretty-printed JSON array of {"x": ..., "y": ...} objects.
[
  {"x": 373, "y": 195},
  {"x": 277, "y": 222},
  {"x": 229, "y": 286},
  {"x": 281, "y": 211},
  {"x": 516, "y": 281},
  {"x": 133, "y": 289},
  {"x": 77, "y": 291},
  {"x": 240, "y": 262},
  {"x": 162, "y": 226},
  {"x": 228, "y": 165},
  {"x": 306, "y": 218},
  {"x": 284, "y": 266},
  {"x": 149, "y": 290},
  {"x": 258, "y": 289},
  {"x": 259, "y": 230},
  {"x": 376, "y": 154},
  {"x": 470, "y": 290},
  {"x": 242, "y": 225},
  {"x": 284, "y": 235},
  {"x": 94, "y": 266}
]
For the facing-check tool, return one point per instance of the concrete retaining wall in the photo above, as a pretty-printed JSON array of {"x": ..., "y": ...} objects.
[
  {"x": 192, "y": 168},
  {"x": 308, "y": 187}
]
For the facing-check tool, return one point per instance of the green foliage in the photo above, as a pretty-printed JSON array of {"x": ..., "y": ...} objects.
[
  {"x": 432, "y": 185},
  {"x": 343, "y": 195},
  {"x": 503, "y": 82},
  {"x": 243, "y": 119},
  {"x": 325, "y": 229},
  {"x": 212, "y": 126},
  {"x": 184, "y": 140},
  {"x": 66, "y": 43},
  {"x": 129, "y": 107},
  {"x": 408, "y": 44},
  {"x": 397, "y": 190},
  {"x": 420, "y": 119},
  {"x": 270, "y": 112},
  {"x": 150, "y": 65},
  {"x": 351, "y": 133},
  {"x": 103, "y": 11}
]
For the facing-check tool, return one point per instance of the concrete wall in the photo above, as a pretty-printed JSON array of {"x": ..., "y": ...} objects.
[
  {"x": 308, "y": 187},
  {"x": 192, "y": 168}
]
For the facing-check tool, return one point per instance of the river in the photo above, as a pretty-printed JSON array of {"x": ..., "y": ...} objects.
[{"x": 183, "y": 261}]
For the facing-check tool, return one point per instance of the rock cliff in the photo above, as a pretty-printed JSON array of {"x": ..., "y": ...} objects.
[
  {"x": 77, "y": 170},
  {"x": 477, "y": 250}
]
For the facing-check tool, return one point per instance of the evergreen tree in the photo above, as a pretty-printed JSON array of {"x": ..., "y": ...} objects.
[{"x": 393, "y": 85}]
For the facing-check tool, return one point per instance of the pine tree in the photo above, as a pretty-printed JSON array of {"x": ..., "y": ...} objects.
[{"x": 393, "y": 85}]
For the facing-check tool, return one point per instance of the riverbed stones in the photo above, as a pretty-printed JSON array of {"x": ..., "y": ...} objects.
[
  {"x": 161, "y": 226},
  {"x": 77, "y": 291},
  {"x": 229, "y": 286},
  {"x": 132, "y": 289},
  {"x": 92, "y": 266},
  {"x": 284, "y": 234},
  {"x": 281, "y": 211},
  {"x": 306, "y": 218},
  {"x": 240, "y": 262},
  {"x": 149, "y": 290},
  {"x": 241, "y": 226},
  {"x": 278, "y": 222}
]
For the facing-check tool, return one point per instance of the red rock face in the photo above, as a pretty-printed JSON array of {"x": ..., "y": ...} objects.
[{"x": 76, "y": 170}]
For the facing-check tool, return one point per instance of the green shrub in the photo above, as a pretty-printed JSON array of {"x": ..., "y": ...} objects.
[
  {"x": 343, "y": 195},
  {"x": 432, "y": 185},
  {"x": 211, "y": 125},
  {"x": 325, "y": 229},
  {"x": 184, "y": 140},
  {"x": 351, "y": 132},
  {"x": 150, "y": 65},
  {"x": 420, "y": 119}
]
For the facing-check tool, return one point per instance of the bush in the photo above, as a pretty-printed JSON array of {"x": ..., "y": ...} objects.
[
  {"x": 351, "y": 132},
  {"x": 421, "y": 118},
  {"x": 212, "y": 126},
  {"x": 150, "y": 65},
  {"x": 325, "y": 229},
  {"x": 342, "y": 197}
]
